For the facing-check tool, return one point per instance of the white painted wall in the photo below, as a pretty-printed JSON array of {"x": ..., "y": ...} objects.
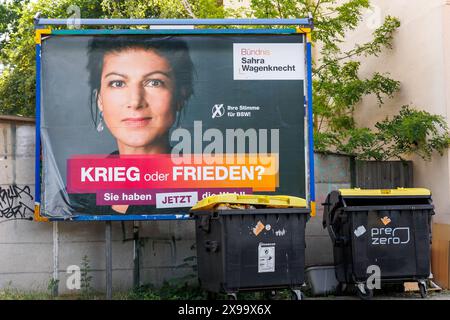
[
  {"x": 420, "y": 60},
  {"x": 235, "y": 4}
]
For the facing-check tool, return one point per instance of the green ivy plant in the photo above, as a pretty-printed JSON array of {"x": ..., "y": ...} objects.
[
  {"x": 410, "y": 132},
  {"x": 52, "y": 287}
]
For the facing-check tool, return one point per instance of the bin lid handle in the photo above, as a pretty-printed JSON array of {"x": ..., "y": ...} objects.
[{"x": 385, "y": 192}]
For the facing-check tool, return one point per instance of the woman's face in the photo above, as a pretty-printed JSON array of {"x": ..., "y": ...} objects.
[{"x": 137, "y": 99}]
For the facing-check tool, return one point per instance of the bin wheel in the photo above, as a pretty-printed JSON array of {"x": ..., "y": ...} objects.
[
  {"x": 232, "y": 296},
  {"x": 211, "y": 295},
  {"x": 423, "y": 290},
  {"x": 364, "y": 293},
  {"x": 270, "y": 295},
  {"x": 341, "y": 288},
  {"x": 296, "y": 295}
]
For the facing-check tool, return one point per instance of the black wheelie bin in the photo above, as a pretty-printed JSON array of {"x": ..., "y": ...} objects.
[
  {"x": 385, "y": 229},
  {"x": 250, "y": 243}
]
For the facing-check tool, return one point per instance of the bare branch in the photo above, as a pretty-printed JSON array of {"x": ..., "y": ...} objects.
[
  {"x": 188, "y": 8},
  {"x": 316, "y": 8},
  {"x": 279, "y": 9}
]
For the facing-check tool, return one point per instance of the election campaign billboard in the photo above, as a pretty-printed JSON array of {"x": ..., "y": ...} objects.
[{"x": 147, "y": 123}]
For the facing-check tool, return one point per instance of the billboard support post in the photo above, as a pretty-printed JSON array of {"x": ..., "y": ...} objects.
[
  {"x": 55, "y": 258},
  {"x": 136, "y": 254},
  {"x": 312, "y": 192},
  {"x": 108, "y": 256}
]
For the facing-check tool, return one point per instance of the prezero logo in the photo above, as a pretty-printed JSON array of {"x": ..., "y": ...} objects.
[
  {"x": 390, "y": 236},
  {"x": 217, "y": 111}
]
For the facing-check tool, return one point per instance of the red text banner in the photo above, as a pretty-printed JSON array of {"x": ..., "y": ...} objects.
[{"x": 87, "y": 174}]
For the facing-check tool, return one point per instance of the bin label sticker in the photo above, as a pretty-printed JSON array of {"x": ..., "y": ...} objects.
[
  {"x": 360, "y": 231},
  {"x": 259, "y": 227},
  {"x": 266, "y": 257},
  {"x": 386, "y": 220}
]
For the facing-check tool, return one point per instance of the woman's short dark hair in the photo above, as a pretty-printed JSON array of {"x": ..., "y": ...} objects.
[{"x": 173, "y": 49}]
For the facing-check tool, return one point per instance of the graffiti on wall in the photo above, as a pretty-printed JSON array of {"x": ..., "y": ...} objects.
[{"x": 15, "y": 202}]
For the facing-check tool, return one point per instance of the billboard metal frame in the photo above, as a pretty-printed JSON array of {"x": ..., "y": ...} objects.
[{"x": 302, "y": 26}]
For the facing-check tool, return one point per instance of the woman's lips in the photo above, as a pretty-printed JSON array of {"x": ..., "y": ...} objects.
[{"x": 137, "y": 122}]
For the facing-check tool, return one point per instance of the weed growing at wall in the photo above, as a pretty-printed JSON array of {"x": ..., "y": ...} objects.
[
  {"x": 52, "y": 287},
  {"x": 86, "y": 278}
]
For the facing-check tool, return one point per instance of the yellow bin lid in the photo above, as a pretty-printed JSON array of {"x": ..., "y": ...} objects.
[
  {"x": 252, "y": 199},
  {"x": 408, "y": 192}
]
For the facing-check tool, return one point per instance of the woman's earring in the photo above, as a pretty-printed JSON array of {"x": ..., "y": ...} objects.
[
  {"x": 178, "y": 118},
  {"x": 100, "y": 122},
  {"x": 178, "y": 114}
]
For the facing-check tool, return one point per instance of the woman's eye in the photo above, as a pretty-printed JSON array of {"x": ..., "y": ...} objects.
[
  {"x": 154, "y": 83},
  {"x": 117, "y": 84}
]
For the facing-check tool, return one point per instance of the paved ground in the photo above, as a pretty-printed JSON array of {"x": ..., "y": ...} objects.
[{"x": 444, "y": 295}]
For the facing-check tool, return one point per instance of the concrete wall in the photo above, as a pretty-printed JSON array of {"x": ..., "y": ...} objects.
[
  {"x": 165, "y": 245},
  {"x": 331, "y": 172},
  {"x": 420, "y": 60},
  {"x": 27, "y": 260},
  {"x": 27, "y": 248}
]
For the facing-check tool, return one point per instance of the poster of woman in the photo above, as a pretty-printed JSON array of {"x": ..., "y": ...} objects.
[{"x": 153, "y": 123}]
